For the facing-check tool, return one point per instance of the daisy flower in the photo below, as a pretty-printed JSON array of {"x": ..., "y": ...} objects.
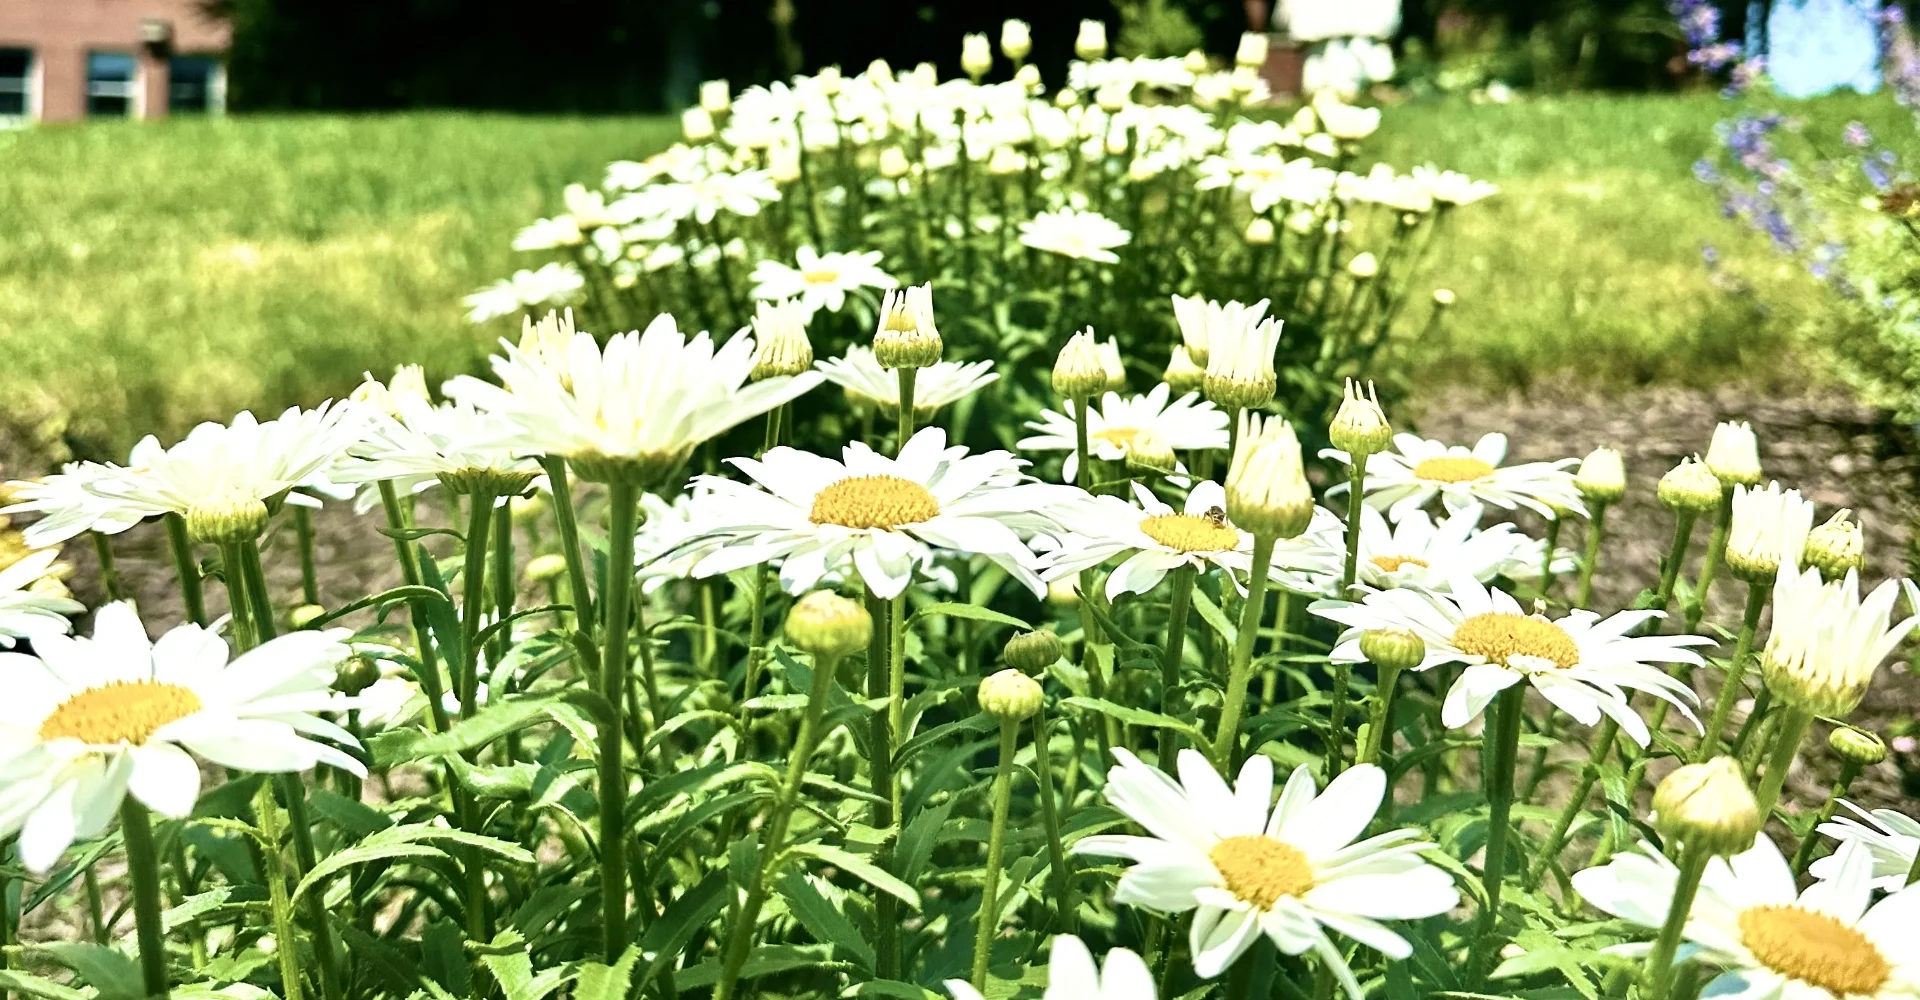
[
  {"x": 634, "y": 410},
  {"x": 1156, "y": 539},
  {"x": 89, "y": 720},
  {"x": 1771, "y": 940},
  {"x": 1072, "y": 975},
  {"x": 933, "y": 387},
  {"x": 1585, "y": 665},
  {"x": 553, "y": 283},
  {"x": 1417, "y": 470},
  {"x": 1074, "y": 233},
  {"x": 1203, "y": 323},
  {"x": 888, "y": 516},
  {"x": 666, "y": 526},
  {"x": 1424, "y": 553},
  {"x": 820, "y": 281},
  {"x": 1891, "y": 838},
  {"x": 68, "y": 505},
  {"x": 26, "y": 614},
  {"x": 1186, "y": 424},
  {"x": 417, "y": 444},
  {"x": 1248, "y": 866}
]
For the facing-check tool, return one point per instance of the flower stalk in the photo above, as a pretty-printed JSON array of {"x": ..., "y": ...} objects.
[
  {"x": 1757, "y": 594},
  {"x": 1227, "y": 740},
  {"x": 1505, "y": 737},
  {"x": 1180, "y": 603},
  {"x": 617, "y": 606},
  {"x": 987, "y": 920},
  {"x": 1596, "y": 535},
  {"x": 569, "y": 531},
  {"x": 143, "y": 869},
  {"x": 186, "y": 569},
  {"x": 1660, "y": 967},
  {"x": 1794, "y": 724}
]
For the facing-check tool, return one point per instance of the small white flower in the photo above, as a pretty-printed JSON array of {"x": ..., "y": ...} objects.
[
  {"x": 1417, "y": 470},
  {"x": 25, "y": 614},
  {"x": 934, "y": 386},
  {"x": 1185, "y": 424},
  {"x": 1071, "y": 232},
  {"x": 1768, "y": 531},
  {"x": 1890, "y": 837},
  {"x": 255, "y": 459},
  {"x": 821, "y": 281},
  {"x": 553, "y": 284},
  {"x": 1450, "y": 188},
  {"x": 1418, "y": 552},
  {"x": 413, "y": 442},
  {"x": 549, "y": 234},
  {"x": 1203, "y": 323},
  {"x": 1072, "y": 974},
  {"x": 1826, "y": 642},
  {"x": 68, "y": 505}
]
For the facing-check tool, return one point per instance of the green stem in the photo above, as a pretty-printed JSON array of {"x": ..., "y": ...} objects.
[
  {"x": 1511, "y": 705},
  {"x": 906, "y": 376},
  {"x": 987, "y": 920},
  {"x": 569, "y": 529},
  {"x": 96, "y": 906},
  {"x": 1227, "y": 740},
  {"x": 616, "y": 605},
  {"x": 1693, "y": 865},
  {"x": 473, "y": 599},
  {"x": 1757, "y": 594},
  {"x": 187, "y": 568},
  {"x": 1062, "y": 876},
  {"x": 1546, "y": 558},
  {"x": 1176, "y": 647},
  {"x": 256, "y": 591},
  {"x": 1742, "y": 742},
  {"x": 880, "y": 768},
  {"x": 1716, "y": 552},
  {"x": 267, "y": 814},
  {"x": 143, "y": 867},
  {"x": 1603, "y": 742},
  {"x": 756, "y": 637},
  {"x": 303, "y": 537},
  {"x": 503, "y": 579},
  {"x": 1596, "y": 534},
  {"x": 1676, "y": 554},
  {"x": 1793, "y": 730},
  {"x": 109, "y": 569},
  {"x": 1336, "y": 712},
  {"x": 1382, "y": 718},
  {"x": 429, "y": 669},
  {"x": 1804, "y": 856},
  {"x": 896, "y": 686},
  {"x": 1356, "y": 499}
]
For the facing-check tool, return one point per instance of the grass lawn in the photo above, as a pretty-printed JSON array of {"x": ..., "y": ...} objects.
[{"x": 155, "y": 275}]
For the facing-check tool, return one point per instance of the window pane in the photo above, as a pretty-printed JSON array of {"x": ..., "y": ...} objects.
[
  {"x": 190, "y": 84},
  {"x": 15, "y": 65},
  {"x": 109, "y": 83}
]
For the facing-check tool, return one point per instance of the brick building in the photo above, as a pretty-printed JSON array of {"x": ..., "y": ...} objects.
[{"x": 63, "y": 60}]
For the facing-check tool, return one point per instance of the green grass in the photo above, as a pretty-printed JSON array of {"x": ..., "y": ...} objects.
[{"x": 155, "y": 275}]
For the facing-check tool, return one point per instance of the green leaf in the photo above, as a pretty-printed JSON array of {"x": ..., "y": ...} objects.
[
  {"x": 968, "y": 611},
  {"x": 1213, "y": 616},
  {"x": 1139, "y": 717},
  {"x": 822, "y": 919},
  {"x": 862, "y": 869},
  {"x": 667, "y": 937},
  {"x": 608, "y": 982},
  {"x": 402, "y": 842},
  {"x": 490, "y": 723},
  {"x": 512, "y": 968},
  {"x": 918, "y": 839},
  {"x": 891, "y": 988},
  {"x": 34, "y": 986},
  {"x": 426, "y": 595},
  {"x": 108, "y": 971},
  {"x": 193, "y": 908},
  {"x": 975, "y": 723},
  {"x": 762, "y": 961},
  {"x": 350, "y": 815}
]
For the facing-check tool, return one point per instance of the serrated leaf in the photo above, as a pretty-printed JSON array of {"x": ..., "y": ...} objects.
[
  {"x": 1215, "y": 618},
  {"x": 489, "y": 724},
  {"x": 193, "y": 907},
  {"x": 110, "y": 972},
  {"x": 862, "y": 869},
  {"x": 405, "y": 841},
  {"x": 976, "y": 723},
  {"x": 1139, "y": 717},
  {"x": 968, "y": 611},
  {"x": 822, "y": 919},
  {"x": 764, "y": 960},
  {"x": 917, "y": 840},
  {"x": 350, "y": 815},
  {"x": 667, "y": 937},
  {"x": 599, "y": 981},
  {"x": 34, "y": 986}
]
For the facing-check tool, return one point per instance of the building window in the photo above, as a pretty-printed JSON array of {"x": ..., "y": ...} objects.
[
  {"x": 110, "y": 84},
  {"x": 16, "y": 84},
  {"x": 195, "y": 84}
]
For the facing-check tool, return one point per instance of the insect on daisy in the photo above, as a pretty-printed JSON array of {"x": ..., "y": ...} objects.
[
  {"x": 1073, "y": 975},
  {"x": 1584, "y": 664},
  {"x": 1417, "y": 470},
  {"x": 1770, "y": 939},
  {"x": 1249, "y": 866},
  {"x": 1185, "y": 424}
]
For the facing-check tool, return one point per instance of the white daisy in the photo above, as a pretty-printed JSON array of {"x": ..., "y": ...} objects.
[
  {"x": 1773, "y": 941},
  {"x": 1892, "y": 838},
  {"x": 1585, "y": 665},
  {"x": 68, "y": 505},
  {"x": 821, "y": 281},
  {"x": 933, "y": 387},
  {"x": 415, "y": 443},
  {"x": 26, "y": 614},
  {"x": 1072, "y": 975},
  {"x": 1293, "y": 873},
  {"x": 637, "y": 408},
  {"x": 890, "y": 516},
  {"x": 254, "y": 459},
  {"x": 1070, "y": 232},
  {"x": 1204, "y": 323},
  {"x": 1156, "y": 539},
  {"x": 665, "y": 527},
  {"x": 552, "y": 284},
  {"x": 1186, "y": 424},
  {"x": 1418, "y": 470},
  {"x": 87, "y": 721},
  {"x": 1418, "y": 552}
]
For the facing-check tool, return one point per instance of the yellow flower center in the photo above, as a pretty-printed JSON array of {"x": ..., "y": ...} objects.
[
  {"x": 120, "y": 712},
  {"x": 1260, "y": 869},
  {"x": 820, "y": 276},
  {"x": 1814, "y": 948},
  {"x": 1190, "y": 533},
  {"x": 1122, "y": 436},
  {"x": 874, "y": 502},
  {"x": 1452, "y": 469},
  {"x": 1500, "y": 637},
  {"x": 1391, "y": 563}
]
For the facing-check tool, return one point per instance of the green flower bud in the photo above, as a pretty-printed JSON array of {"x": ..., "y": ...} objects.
[
  {"x": 1857, "y": 746},
  {"x": 1078, "y": 372},
  {"x": 1360, "y": 427},
  {"x": 356, "y": 674},
  {"x": 541, "y": 569},
  {"x": 1602, "y": 477},
  {"x": 227, "y": 517},
  {"x": 492, "y": 482},
  {"x": 828, "y": 626},
  {"x": 304, "y": 615},
  {"x": 1392, "y": 648},
  {"x": 1010, "y": 696},
  {"x": 1032, "y": 652},
  {"x": 1690, "y": 487},
  {"x": 1836, "y": 547},
  {"x": 1708, "y": 806},
  {"x": 907, "y": 337}
]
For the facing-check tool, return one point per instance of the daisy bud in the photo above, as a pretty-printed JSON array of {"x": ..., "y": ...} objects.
[
  {"x": 716, "y": 97},
  {"x": 1267, "y": 491},
  {"x": 1091, "y": 43},
  {"x": 1857, "y": 746},
  {"x": 1116, "y": 141},
  {"x": 1195, "y": 62},
  {"x": 697, "y": 124},
  {"x": 1016, "y": 39},
  {"x": 976, "y": 55},
  {"x": 1364, "y": 266},
  {"x": 1252, "y": 52},
  {"x": 1066, "y": 97},
  {"x": 1111, "y": 366},
  {"x": 1061, "y": 596},
  {"x": 1010, "y": 696},
  {"x": 1443, "y": 297},
  {"x": 1141, "y": 169},
  {"x": 893, "y": 163},
  {"x": 1113, "y": 96},
  {"x": 829, "y": 80},
  {"x": 304, "y": 615},
  {"x": 1032, "y": 652},
  {"x": 544, "y": 569},
  {"x": 907, "y": 337},
  {"x": 1707, "y": 806},
  {"x": 1079, "y": 372},
  {"x": 1836, "y": 548},
  {"x": 227, "y": 517},
  {"x": 1733, "y": 456},
  {"x": 783, "y": 164},
  {"x": 527, "y": 507},
  {"x": 1028, "y": 77},
  {"x": 1150, "y": 453},
  {"x": 1602, "y": 477},
  {"x": 880, "y": 71},
  {"x": 1305, "y": 121},
  {"x": 1344, "y": 121},
  {"x": 1689, "y": 487},
  {"x": 1768, "y": 531},
  {"x": 781, "y": 332},
  {"x": 492, "y": 482},
  {"x": 1260, "y": 231},
  {"x": 1182, "y": 374},
  {"x": 1240, "y": 365},
  {"x": 1826, "y": 642},
  {"x": 1392, "y": 648},
  {"x": 1360, "y": 427},
  {"x": 1005, "y": 160},
  {"x": 828, "y": 626},
  {"x": 356, "y": 674}
]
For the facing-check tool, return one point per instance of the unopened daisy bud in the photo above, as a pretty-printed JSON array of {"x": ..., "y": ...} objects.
[
  {"x": 1078, "y": 373},
  {"x": 1150, "y": 453},
  {"x": 716, "y": 97},
  {"x": 1857, "y": 746},
  {"x": 1010, "y": 696},
  {"x": 1141, "y": 169},
  {"x": 1028, "y": 77},
  {"x": 1602, "y": 477},
  {"x": 1360, "y": 427},
  {"x": 1826, "y": 642},
  {"x": 1769, "y": 530},
  {"x": 1113, "y": 96},
  {"x": 304, "y": 615},
  {"x": 1305, "y": 121},
  {"x": 1066, "y": 97},
  {"x": 1182, "y": 374},
  {"x": 1252, "y": 52},
  {"x": 1016, "y": 39},
  {"x": 1836, "y": 548},
  {"x": 1005, "y": 160},
  {"x": 1240, "y": 371},
  {"x": 1363, "y": 266},
  {"x": 527, "y": 507},
  {"x": 907, "y": 337},
  {"x": 1689, "y": 487},
  {"x": 696, "y": 124},
  {"x": 829, "y": 80},
  {"x": 880, "y": 71},
  {"x": 227, "y": 517},
  {"x": 1392, "y": 648},
  {"x": 1116, "y": 142},
  {"x": 1061, "y": 595},
  {"x": 491, "y": 482},
  {"x": 1091, "y": 43},
  {"x": 893, "y": 163},
  {"x": 1733, "y": 456},
  {"x": 1267, "y": 491},
  {"x": 355, "y": 674},
  {"x": 1032, "y": 652},
  {"x": 1112, "y": 366},
  {"x": 976, "y": 55},
  {"x": 780, "y": 335},
  {"x": 783, "y": 164},
  {"x": 1443, "y": 297},
  {"x": 1195, "y": 62},
  {"x": 547, "y": 568},
  {"x": 1707, "y": 807},
  {"x": 828, "y": 626},
  {"x": 1260, "y": 231}
]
